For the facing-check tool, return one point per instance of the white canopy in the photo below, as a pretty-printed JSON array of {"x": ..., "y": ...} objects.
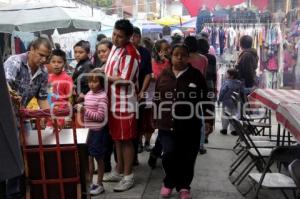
[{"x": 35, "y": 17}]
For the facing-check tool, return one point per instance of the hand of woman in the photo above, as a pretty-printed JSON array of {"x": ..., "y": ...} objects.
[{"x": 162, "y": 55}]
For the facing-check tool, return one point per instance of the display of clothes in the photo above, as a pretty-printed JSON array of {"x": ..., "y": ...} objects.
[
  {"x": 203, "y": 17},
  {"x": 19, "y": 46},
  {"x": 270, "y": 49},
  {"x": 222, "y": 40},
  {"x": 20, "y": 41},
  {"x": 67, "y": 41},
  {"x": 231, "y": 16},
  {"x": 267, "y": 40}
]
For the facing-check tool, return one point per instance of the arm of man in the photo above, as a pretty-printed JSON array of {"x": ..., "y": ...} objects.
[
  {"x": 11, "y": 68},
  {"x": 43, "y": 93},
  {"x": 43, "y": 104},
  {"x": 129, "y": 68},
  {"x": 145, "y": 85},
  {"x": 148, "y": 70}
]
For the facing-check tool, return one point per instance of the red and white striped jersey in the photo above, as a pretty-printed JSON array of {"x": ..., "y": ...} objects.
[{"x": 123, "y": 62}]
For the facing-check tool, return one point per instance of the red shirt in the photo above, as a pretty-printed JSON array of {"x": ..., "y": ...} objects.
[
  {"x": 123, "y": 62},
  {"x": 62, "y": 87},
  {"x": 157, "y": 68}
]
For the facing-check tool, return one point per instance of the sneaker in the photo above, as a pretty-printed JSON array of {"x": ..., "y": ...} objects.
[
  {"x": 202, "y": 150},
  {"x": 152, "y": 161},
  {"x": 124, "y": 185},
  {"x": 185, "y": 194},
  {"x": 112, "y": 177},
  {"x": 165, "y": 192},
  {"x": 223, "y": 131},
  {"x": 96, "y": 189},
  {"x": 234, "y": 133}
]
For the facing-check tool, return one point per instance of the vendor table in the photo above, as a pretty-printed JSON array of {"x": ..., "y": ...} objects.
[
  {"x": 288, "y": 115},
  {"x": 285, "y": 104},
  {"x": 272, "y": 98},
  {"x": 68, "y": 163}
]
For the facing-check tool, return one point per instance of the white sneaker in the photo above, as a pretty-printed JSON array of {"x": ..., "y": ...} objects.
[
  {"x": 124, "y": 185},
  {"x": 112, "y": 177},
  {"x": 96, "y": 189}
]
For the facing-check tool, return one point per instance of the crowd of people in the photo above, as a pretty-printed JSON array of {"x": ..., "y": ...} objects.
[{"x": 130, "y": 87}]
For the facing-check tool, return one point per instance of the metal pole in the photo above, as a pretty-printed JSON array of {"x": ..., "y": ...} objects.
[
  {"x": 160, "y": 8},
  {"x": 92, "y": 5},
  {"x": 136, "y": 9},
  {"x": 248, "y": 4},
  {"x": 288, "y": 6}
]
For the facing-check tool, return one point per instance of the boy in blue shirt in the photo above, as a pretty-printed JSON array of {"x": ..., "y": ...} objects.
[{"x": 230, "y": 85}]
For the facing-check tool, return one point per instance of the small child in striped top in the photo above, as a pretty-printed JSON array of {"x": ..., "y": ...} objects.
[{"x": 95, "y": 118}]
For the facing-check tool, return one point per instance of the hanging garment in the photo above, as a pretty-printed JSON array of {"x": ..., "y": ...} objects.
[
  {"x": 222, "y": 40},
  {"x": 232, "y": 37},
  {"x": 214, "y": 37},
  {"x": 220, "y": 16},
  {"x": 202, "y": 18},
  {"x": 272, "y": 64}
]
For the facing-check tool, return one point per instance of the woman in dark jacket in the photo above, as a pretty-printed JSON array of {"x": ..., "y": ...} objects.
[{"x": 180, "y": 93}]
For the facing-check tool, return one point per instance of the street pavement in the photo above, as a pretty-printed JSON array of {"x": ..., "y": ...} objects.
[{"x": 210, "y": 181}]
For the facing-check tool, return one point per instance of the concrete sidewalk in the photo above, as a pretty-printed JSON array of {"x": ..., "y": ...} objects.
[{"x": 210, "y": 181}]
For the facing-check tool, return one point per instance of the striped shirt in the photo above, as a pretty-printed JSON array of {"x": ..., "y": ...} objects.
[
  {"x": 95, "y": 115},
  {"x": 123, "y": 62}
]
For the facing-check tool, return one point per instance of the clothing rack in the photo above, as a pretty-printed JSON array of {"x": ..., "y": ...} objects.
[
  {"x": 228, "y": 24},
  {"x": 269, "y": 47}
]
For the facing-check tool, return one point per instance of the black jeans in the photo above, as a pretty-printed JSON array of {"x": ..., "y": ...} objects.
[
  {"x": 109, "y": 146},
  {"x": 157, "y": 149},
  {"x": 15, "y": 187},
  {"x": 179, "y": 156}
]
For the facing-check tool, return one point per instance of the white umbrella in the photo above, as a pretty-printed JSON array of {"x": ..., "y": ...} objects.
[{"x": 35, "y": 17}]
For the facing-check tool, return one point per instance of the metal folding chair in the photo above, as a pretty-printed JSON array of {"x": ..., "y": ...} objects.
[
  {"x": 294, "y": 170},
  {"x": 258, "y": 118},
  {"x": 251, "y": 151},
  {"x": 275, "y": 180}
]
